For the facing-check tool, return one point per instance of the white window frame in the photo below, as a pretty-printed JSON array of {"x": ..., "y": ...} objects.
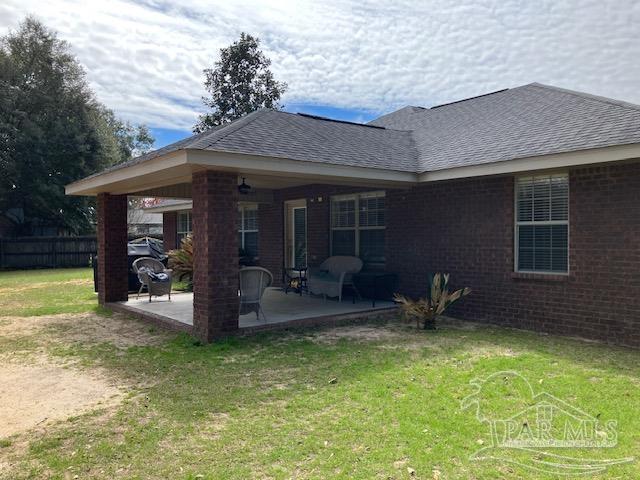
[
  {"x": 517, "y": 223},
  {"x": 241, "y": 212},
  {"x": 356, "y": 227},
  {"x": 242, "y": 230},
  {"x": 180, "y": 234}
]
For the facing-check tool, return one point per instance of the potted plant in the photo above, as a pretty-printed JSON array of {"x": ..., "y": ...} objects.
[
  {"x": 181, "y": 262},
  {"x": 425, "y": 311}
]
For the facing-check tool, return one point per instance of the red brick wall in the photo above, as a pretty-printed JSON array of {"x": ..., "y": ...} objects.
[
  {"x": 466, "y": 228},
  {"x": 170, "y": 230},
  {"x": 215, "y": 252},
  {"x": 270, "y": 238},
  {"x": 271, "y": 225},
  {"x": 112, "y": 248}
]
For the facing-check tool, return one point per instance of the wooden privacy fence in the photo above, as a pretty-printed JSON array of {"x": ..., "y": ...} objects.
[{"x": 47, "y": 252}]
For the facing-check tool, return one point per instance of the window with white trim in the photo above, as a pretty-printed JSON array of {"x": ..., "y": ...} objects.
[
  {"x": 184, "y": 226},
  {"x": 248, "y": 229},
  {"x": 358, "y": 226},
  {"x": 542, "y": 224}
]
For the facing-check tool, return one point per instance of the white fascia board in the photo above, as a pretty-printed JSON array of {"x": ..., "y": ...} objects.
[
  {"x": 93, "y": 184},
  {"x": 315, "y": 171},
  {"x": 132, "y": 179},
  {"x": 543, "y": 162}
]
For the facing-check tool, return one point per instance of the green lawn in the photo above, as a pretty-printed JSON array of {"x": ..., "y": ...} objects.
[
  {"x": 46, "y": 292},
  {"x": 379, "y": 402}
]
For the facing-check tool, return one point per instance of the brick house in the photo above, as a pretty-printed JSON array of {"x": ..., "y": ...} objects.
[{"x": 528, "y": 195}]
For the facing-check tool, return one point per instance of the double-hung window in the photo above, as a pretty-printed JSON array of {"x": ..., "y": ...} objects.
[
  {"x": 542, "y": 224},
  {"x": 358, "y": 226},
  {"x": 184, "y": 225},
  {"x": 248, "y": 229}
]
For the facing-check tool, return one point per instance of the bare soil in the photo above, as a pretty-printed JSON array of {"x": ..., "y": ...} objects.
[
  {"x": 36, "y": 390},
  {"x": 83, "y": 327},
  {"x": 33, "y": 395},
  {"x": 364, "y": 333}
]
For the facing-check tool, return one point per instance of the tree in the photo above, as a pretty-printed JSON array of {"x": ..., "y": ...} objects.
[
  {"x": 240, "y": 83},
  {"x": 52, "y": 131},
  {"x": 132, "y": 140}
]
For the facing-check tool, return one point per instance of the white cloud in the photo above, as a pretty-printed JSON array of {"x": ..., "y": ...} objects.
[{"x": 145, "y": 59}]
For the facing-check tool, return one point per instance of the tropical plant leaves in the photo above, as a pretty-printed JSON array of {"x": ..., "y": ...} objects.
[
  {"x": 426, "y": 310},
  {"x": 181, "y": 260}
]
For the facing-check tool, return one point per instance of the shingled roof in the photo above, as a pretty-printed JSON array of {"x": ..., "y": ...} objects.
[
  {"x": 526, "y": 121},
  {"x": 302, "y": 137}
]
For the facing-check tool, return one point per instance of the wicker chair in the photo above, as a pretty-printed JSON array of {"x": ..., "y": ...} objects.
[
  {"x": 142, "y": 267},
  {"x": 333, "y": 275},
  {"x": 253, "y": 282}
]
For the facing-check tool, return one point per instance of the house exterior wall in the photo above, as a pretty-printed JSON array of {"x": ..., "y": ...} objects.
[
  {"x": 170, "y": 230},
  {"x": 271, "y": 225},
  {"x": 466, "y": 228}
]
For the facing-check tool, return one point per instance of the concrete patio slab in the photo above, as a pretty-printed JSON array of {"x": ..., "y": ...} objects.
[{"x": 280, "y": 309}]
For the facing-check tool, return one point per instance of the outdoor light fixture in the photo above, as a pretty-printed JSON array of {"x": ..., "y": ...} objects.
[{"x": 243, "y": 188}]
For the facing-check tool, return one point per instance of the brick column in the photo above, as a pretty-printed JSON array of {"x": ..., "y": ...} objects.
[
  {"x": 170, "y": 231},
  {"x": 112, "y": 248},
  {"x": 215, "y": 255}
]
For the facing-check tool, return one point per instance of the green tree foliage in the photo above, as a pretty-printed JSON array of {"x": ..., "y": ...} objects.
[
  {"x": 239, "y": 83},
  {"x": 52, "y": 132},
  {"x": 132, "y": 140}
]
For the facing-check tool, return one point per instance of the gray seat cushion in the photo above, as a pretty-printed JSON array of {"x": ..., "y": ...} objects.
[{"x": 329, "y": 278}]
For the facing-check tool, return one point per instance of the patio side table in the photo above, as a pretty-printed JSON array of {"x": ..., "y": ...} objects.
[
  {"x": 376, "y": 284},
  {"x": 296, "y": 280}
]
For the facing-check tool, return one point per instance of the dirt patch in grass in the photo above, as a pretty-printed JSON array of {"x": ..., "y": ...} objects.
[
  {"x": 13, "y": 289},
  {"x": 43, "y": 392},
  {"x": 364, "y": 333},
  {"x": 36, "y": 391},
  {"x": 90, "y": 328},
  {"x": 392, "y": 331}
]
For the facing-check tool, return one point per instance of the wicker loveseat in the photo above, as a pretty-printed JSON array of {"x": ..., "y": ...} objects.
[{"x": 333, "y": 275}]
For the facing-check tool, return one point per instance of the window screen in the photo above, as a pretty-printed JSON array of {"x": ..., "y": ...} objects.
[
  {"x": 542, "y": 223},
  {"x": 248, "y": 229},
  {"x": 184, "y": 225},
  {"x": 358, "y": 226}
]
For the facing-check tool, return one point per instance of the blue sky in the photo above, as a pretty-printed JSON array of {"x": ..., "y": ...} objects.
[{"x": 344, "y": 59}]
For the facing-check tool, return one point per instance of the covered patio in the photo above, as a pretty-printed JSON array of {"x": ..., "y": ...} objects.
[
  {"x": 281, "y": 310},
  {"x": 293, "y": 187}
]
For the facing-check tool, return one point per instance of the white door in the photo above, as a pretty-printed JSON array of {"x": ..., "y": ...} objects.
[{"x": 295, "y": 234}]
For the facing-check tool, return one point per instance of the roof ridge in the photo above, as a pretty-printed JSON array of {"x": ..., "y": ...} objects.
[
  {"x": 469, "y": 98},
  {"x": 329, "y": 119},
  {"x": 370, "y": 122},
  {"x": 587, "y": 96},
  {"x": 415, "y": 150},
  {"x": 236, "y": 125}
]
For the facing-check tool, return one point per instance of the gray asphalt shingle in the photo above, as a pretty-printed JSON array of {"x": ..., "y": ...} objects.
[
  {"x": 521, "y": 122},
  {"x": 525, "y": 121},
  {"x": 272, "y": 133},
  {"x": 313, "y": 139}
]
